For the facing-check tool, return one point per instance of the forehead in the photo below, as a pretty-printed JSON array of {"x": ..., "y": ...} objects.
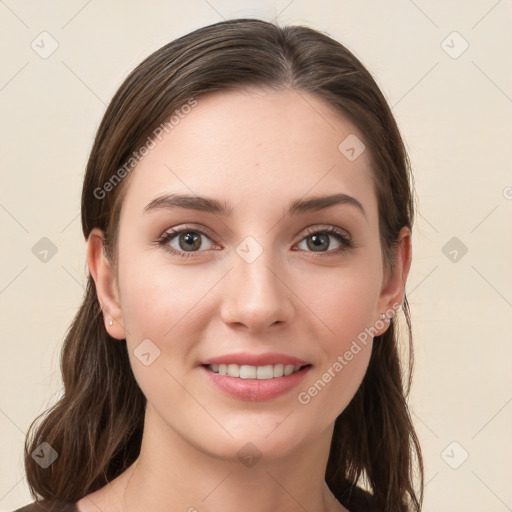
[{"x": 255, "y": 148}]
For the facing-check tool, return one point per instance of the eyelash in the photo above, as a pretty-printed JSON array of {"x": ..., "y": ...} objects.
[{"x": 345, "y": 241}]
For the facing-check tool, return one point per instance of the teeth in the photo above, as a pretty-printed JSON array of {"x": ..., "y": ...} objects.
[
  {"x": 245, "y": 371},
  {"x": 265, "y": 372},
  {"x": 233, "y": 370},
  {"x": 278, "y": 370},
  {"x": 288, "y": 369}
]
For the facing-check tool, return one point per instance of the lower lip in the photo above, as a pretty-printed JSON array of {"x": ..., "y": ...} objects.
[{"x": 255, "y": 390}]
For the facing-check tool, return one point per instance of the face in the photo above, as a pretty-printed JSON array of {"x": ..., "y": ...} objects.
[{"x": 258, "y": 285}]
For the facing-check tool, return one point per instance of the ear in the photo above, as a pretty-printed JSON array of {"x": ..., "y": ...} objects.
[
  {"x": 106, "y": 284},
  {"x": 393, "y": 285}
]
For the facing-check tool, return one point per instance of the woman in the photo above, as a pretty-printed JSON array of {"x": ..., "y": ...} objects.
[{"x": 247, "y": 207}]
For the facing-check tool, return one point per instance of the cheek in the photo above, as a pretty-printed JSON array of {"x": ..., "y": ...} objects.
[
  {"x": 346, "y": 309},
  {"x": 160, "y": 307},
  {"x": 159, "y": 298},
  {"x": 344, "y": 300}
]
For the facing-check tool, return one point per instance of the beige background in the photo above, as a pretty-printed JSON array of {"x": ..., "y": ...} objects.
[{"x": 455, "y": 112}]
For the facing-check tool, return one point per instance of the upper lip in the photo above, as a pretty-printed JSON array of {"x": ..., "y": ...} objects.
[{"x": 243, "y": 358}]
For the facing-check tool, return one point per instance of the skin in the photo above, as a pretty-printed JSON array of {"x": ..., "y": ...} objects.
[{"x": 258, "y": 151}]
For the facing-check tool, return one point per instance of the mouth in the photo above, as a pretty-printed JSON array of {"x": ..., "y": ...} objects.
[
  {"x": 255, "y": 377},
  {"x": 266, "y": 372}
]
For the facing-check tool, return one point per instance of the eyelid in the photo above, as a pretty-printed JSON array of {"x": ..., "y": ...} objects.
[
  {"x": 325, "y": 228},
  {"x": 191, "y": 227}
]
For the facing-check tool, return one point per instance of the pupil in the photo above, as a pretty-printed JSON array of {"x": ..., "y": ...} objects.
[
  {"x": 319, "y": 241},
  {"x": 191, "y": 239}
]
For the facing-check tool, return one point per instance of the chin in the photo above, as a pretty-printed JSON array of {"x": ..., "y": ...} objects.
[
  {"x": 250, "y": 449},
  {"x": 268, "y": 437}
]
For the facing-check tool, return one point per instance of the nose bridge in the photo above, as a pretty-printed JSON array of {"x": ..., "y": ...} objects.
[
  {"x": 257, "y": 296},
  {"x": 253, "y": 266}
]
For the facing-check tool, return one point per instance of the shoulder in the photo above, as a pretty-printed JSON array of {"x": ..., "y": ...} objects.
[{"x": 45, "y": 506}]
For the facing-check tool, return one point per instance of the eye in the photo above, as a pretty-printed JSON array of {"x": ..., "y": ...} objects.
[
  {"x": 319, "y": 239},
  {"x": 185, "y": 240}
]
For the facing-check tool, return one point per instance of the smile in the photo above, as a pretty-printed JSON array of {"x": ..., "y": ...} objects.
[{"x": 244, "y": 371}]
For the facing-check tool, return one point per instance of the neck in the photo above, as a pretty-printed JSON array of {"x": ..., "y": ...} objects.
[{"x": 172, "y": 475}]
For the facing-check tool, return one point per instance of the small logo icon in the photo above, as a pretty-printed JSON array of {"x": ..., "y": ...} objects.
[
  {"x": 249, "y": 455},
  {"x": 351, "y": 147},
  {"x": 44, "y": 455},
  {"x": 44, "y": 250},
  {"x": 454, "y": 455},
  {"x": 454, "y": 249},
  {"x": 249, "y": 249},
  {"x": 146, "y": 352},
  {"x": 454, "y": 45},
  {"x": 44, "y": 45}
]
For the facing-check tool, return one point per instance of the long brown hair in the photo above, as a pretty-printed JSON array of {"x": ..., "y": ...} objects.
[{"x": 96, "y": 426}]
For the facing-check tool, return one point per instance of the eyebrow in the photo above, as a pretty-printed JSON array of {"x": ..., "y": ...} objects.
[{"x": 209, "y": 205}]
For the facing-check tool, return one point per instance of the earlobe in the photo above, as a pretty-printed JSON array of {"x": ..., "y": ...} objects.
[
  {"x": 393, "y": 287},
  {"x": 106, "y": 284}
]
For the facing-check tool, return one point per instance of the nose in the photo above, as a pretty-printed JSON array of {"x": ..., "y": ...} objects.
[{"x": 257, "y": 294}]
